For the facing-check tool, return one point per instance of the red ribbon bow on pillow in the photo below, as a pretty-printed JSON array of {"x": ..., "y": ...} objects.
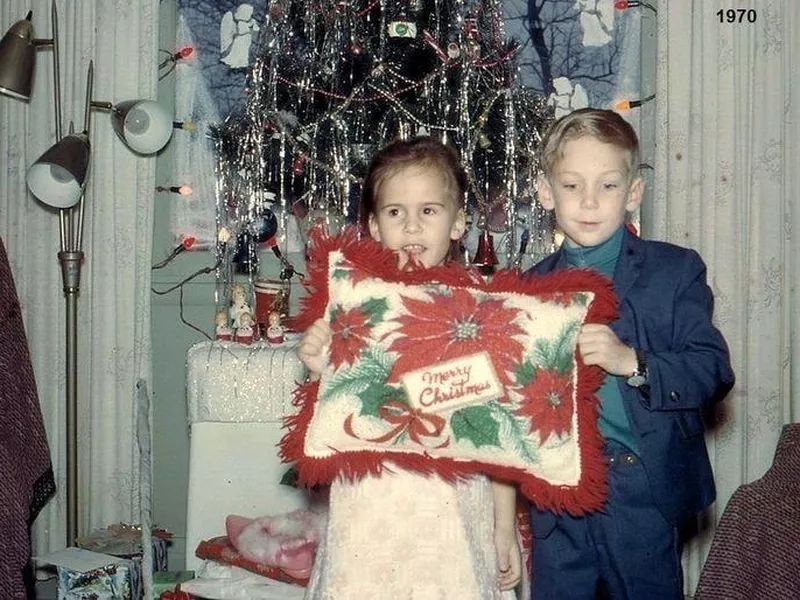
[{"x": 419, "y": 424}]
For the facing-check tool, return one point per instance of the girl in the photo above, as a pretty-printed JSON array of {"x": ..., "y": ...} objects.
[{"x": 402, "y": 534}]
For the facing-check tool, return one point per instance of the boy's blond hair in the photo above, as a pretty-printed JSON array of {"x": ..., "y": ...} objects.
[{"x": 603, "y": 125}]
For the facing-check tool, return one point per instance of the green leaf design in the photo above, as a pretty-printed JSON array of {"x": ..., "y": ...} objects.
[
  {"x": 340, "y": 273},
  {"x": 376, "y": 395},
  {"x": 514, "y": 433},
  {"x": 375, "y": 365},
  {"x": 580, "y": 298},
  {"x": 290, "y": 477},
  {"x": 525, "y": 372},
  {"x": 441, "y": 290},
  {"x": 475, "y": 423},
  {"x": 375, "y": 308},
  {"x": 557, "y": 354}
]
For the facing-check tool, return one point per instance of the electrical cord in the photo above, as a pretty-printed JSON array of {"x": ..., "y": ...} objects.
[{"x": 179, "y": 286}]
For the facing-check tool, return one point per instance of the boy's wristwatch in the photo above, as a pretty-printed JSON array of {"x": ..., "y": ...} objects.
[{"x": 639, "y": 377}]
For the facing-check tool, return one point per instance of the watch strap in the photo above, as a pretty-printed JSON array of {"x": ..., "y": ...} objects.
[{"x": 639, "y": 377}]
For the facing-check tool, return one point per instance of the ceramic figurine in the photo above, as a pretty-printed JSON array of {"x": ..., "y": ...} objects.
[
  {"x": 239, "y": 305},
  {"x": 222, "y": 328},
  {"x": 244, "y": 330},
  {"x": 275, "y": 329}
]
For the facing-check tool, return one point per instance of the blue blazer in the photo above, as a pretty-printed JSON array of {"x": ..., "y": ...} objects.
[{"x": 665, "y": 307}]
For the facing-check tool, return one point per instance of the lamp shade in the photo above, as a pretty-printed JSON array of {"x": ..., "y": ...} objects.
[
  {"x": 17, "y": 59},
  {"x": 143, "y": 125},
  {"x": 58, "y": 177}
]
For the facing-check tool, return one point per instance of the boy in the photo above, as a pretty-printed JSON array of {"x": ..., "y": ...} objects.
[{"x": 665, "y": 362}]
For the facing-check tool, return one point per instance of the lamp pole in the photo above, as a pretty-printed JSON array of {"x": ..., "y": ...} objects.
[
  {"x": 70, "y": 258},
  {"x": 71, "y": 275}
]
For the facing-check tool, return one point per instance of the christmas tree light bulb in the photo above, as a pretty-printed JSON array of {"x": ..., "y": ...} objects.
[
  {"x": 183, "y": 190},
  {"x": 185, "y": 125}
]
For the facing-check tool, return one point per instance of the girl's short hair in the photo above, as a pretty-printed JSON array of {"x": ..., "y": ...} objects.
[
  {"x": 604, "y": 125},
  {"x": 424, "y": 152}
]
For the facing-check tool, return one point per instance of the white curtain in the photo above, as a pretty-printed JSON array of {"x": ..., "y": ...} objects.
[
  {"x": 114, "y": 302},
  {"x": 727, "y": 184}
]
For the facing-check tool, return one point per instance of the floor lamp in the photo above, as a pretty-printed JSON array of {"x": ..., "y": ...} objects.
[{"x": 58, "y": 178}]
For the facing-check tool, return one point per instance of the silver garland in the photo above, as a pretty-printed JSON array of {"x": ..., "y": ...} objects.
[{"x": 330, "y": 85}]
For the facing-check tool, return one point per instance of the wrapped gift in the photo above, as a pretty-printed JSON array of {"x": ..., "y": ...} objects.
[
  {"x": 86, "y": 575},
  {"x": 125, "y": 541}
]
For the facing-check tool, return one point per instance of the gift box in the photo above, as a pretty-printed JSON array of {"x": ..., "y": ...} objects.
[{"x": 86, "y": 575}]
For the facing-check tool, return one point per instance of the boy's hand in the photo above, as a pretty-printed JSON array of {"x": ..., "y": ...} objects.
[
  {"x": 509, "y": 558},
  {"x": 600, "y": 346},
  {"x": 314, "y": 348}
]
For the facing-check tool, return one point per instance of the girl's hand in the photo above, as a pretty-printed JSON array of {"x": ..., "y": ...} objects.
[
  {"x": 600, "y": 346},
  {"x": 315, "y": 348},
  {"x": 509, "y": 558}
]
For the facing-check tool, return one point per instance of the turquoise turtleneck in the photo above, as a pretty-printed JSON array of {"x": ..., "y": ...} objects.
[{"x": 613, "y": 421}]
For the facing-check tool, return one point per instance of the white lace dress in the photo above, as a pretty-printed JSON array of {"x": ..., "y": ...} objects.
[{"x": 404, "y": 536}]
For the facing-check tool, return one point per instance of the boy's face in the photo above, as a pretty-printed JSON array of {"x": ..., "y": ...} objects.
[
  {"x": 416, "y": 216},
  {"x": 590, "y": 190}
]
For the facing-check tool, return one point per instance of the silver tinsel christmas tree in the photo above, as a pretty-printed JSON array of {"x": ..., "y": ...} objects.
[{"x": 334, "y": 80}]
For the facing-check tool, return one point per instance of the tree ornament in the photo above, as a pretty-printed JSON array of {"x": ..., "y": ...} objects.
[
  {"x": 264, "y": 226},
  {"x": 453, "y": 51},
  {"x": 299, "y": 165},
  {"x": 401, "y": 29},
  {"x": 485, "y": 257}
]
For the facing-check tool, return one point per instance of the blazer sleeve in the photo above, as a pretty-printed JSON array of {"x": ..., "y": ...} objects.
[{"x": 695, "y": 370}]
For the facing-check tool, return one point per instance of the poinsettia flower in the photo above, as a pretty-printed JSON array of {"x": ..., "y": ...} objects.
[
  {"x": 562, "y": 298},
  {"x": 349, "y": 334},
  {"x": 548, "y": 403},
  {"x": 456, "y": 324}
]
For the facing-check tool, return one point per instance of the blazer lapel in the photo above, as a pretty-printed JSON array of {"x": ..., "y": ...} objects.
[
  {"x": 550, "y": 263},
  {"x": 629, "y": 264}
]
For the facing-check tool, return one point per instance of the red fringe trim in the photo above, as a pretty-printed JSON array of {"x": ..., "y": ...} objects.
[{"x": 588, "y": 494}]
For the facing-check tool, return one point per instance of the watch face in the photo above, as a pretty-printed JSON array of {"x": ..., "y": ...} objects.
[{"x": 637, "y": 380}]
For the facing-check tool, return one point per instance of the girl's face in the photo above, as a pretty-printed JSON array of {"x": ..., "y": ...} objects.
[{"x": 416, "y": 216}]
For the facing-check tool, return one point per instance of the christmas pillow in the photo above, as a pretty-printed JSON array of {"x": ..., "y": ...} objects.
[{"x": 437, "y": 370}]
